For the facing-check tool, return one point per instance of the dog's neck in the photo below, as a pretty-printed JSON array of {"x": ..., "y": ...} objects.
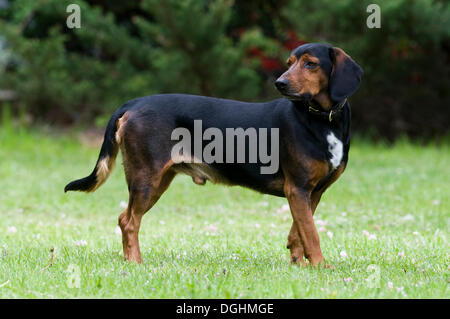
[
  {"x": 322, "y": 106},
  {"x": 322, "y": 100}
]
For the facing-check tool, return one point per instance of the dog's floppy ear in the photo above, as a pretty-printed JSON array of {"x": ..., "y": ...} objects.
[{"x": 345, "y": 75}]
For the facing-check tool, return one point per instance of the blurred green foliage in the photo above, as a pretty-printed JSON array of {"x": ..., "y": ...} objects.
[
  {"x": 222, "y": 48},
  {"x": 405, "y": 87}
]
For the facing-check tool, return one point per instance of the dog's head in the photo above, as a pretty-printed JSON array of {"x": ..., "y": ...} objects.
[{"x": 321, "y": 72}]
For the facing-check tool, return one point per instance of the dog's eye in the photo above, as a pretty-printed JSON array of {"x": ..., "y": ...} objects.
[{"x": 310, "y": 64}]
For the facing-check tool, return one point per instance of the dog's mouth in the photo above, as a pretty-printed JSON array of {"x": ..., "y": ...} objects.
[
  {"x": 285, "y": 90},
  {"x": 296, "y": 96},
  {"x": 293, "y": 96}
]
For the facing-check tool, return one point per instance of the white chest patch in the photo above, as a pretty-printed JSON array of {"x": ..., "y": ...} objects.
[{"x": 336, "y": 149}]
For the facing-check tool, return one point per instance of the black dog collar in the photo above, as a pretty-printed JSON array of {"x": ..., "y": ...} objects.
[{"x": 329, "y": 115}]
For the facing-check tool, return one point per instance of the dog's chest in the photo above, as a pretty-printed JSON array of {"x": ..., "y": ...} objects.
[{"x": 335, "y": 149}]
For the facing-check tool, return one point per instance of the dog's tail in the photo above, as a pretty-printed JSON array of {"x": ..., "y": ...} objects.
[{"x": 106, "y": 160}]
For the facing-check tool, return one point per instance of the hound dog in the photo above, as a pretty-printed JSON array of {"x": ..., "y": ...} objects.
[{"x": 313, "y": 119}]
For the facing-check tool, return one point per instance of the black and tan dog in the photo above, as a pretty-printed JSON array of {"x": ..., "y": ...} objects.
[{"x": 313, "y": 122}]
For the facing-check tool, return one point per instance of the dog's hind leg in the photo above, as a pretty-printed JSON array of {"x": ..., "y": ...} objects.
[
  {"x": 144, "y": 193},
  {"x": 295, "y": 246}
]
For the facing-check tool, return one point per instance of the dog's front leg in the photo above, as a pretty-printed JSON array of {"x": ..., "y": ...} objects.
[{"x": 300, "y": 204}]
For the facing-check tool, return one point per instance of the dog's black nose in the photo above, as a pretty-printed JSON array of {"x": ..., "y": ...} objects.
[{"x": 281, "y": 84}]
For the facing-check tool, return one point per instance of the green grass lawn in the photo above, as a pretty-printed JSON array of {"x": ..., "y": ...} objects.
[{"x": 383, "y": 225}]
